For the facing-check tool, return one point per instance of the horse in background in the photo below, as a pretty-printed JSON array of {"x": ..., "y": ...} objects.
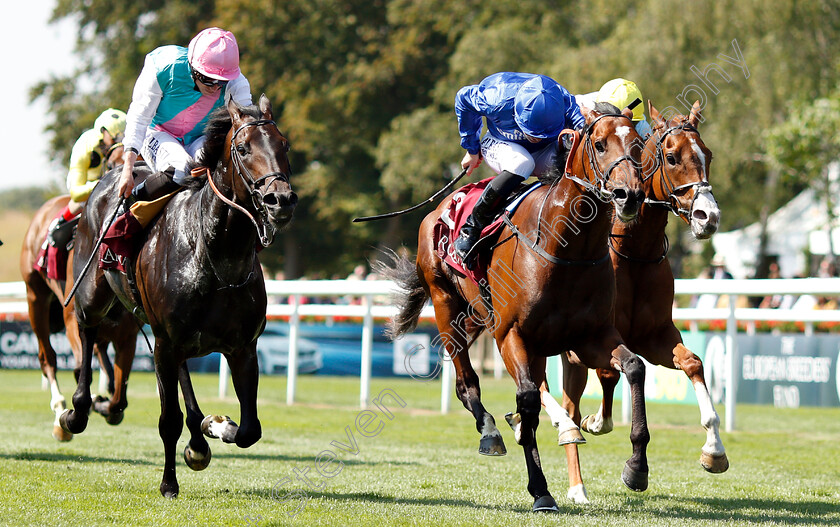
[
  {"x": 676, "y": 166},
  {"x": 197, "y": 278},
  {"x": 45, "y": 298},
  {"x": 550, "y": 291}
]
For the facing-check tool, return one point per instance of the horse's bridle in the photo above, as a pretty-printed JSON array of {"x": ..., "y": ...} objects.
[
  {"x": 265, "y": 230},
  {"x": 602, "y": 183},
  {"x": 672, "y": 202}
]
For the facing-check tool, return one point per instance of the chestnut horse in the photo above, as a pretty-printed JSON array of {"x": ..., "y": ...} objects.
[
  {"x": 676, "y": 168},
  {"x": 550, "y": 291},
  {"x": 197, "y": 277},
  {"x": 45, "y": 298}
]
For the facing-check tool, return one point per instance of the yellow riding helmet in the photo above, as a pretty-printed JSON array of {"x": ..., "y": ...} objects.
[
  {"x": 621, "y": 93},
  {"x": 112, "y": 120}
]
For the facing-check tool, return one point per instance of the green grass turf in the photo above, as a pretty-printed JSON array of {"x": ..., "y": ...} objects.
[{"x": 422, "y": 468}]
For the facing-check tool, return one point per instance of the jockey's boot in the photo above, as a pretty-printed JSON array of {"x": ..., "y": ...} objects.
[
  {"x": 60, "y": 231},
  {"x": 156, "y": 186},
  {"x": 483, "y": 213}
]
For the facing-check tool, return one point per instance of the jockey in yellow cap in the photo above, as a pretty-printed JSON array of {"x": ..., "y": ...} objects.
[
  {"x": 86, "y": 161},
  {"x": 621, "y": 93}
]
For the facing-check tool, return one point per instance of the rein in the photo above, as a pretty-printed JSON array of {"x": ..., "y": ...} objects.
[
  {"x": 602, "y": 177},
  {"x": 671, "y": 203},
  {"x": 266, "y": 237}
]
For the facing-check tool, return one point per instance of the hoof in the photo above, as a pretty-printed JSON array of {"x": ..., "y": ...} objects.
[
  {"x": 714, "y": 464},
  {"x": 492, "y": 446},
  {"x": 577, "y": 494},
  {"x": 196, "y": 460},
  {"x": 115, "y": 418},
  {"x": 218, "y": 427},
  {"x": 571, "y": 436},
  {"x": 169, "y": 491},
  {"x": 514, "y": 420},
  {"x": 77, "y": 426},
  {"x": 588, "y": 425},
  {"x": 545, "y": 504},
  {"x": 61, "y": 434},
  {"x": 634, "y": 479}
]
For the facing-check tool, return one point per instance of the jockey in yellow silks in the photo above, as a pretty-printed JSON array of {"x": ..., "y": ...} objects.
[{"x": 86, "y": 161}]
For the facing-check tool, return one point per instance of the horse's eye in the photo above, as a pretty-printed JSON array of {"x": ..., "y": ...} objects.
[
  {"x": 671, "y": 159},
  {"x": 241, "y": 149},
  {"x": 599, "y": 146}
]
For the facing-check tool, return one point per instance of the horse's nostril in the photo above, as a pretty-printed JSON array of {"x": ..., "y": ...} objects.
[
  {"x": 620, "y": 194},
  {"x": 270, "y": 200},
  {"x": 700, "y": 215}
]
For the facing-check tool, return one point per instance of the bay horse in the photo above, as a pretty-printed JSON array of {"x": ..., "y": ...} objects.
[
  {"x": 550, "y": 291},
  {"x": 675, "y": 164},
  {"x": 197, "y": 277},
  {"x": 45, "y": 298}
]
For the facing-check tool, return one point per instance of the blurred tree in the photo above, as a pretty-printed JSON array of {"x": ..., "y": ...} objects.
[{"x": 365, "y": 88}]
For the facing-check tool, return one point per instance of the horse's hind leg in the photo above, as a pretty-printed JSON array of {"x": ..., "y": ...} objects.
[
  {"x": 713, "y": 455},
  {"x": 125, "y": 344},
  {"x": 528, "y": 377},
  {"x": 602, "y": 421},
  {"x": 456, "y": 333},
  {"x": 38, "y": 297},
  {"x": 574, "y": 383},
  {"x": 106, "y": 369},
  {"x": 197, "y": 452}
]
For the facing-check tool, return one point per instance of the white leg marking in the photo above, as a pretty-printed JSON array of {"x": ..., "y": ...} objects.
[
  {"x": 103, "y": 382},
  {"x": 57, "y": 401},
  {"x": 559, "y": 416},
  {"x": 488, "y": 429},
  {"x": 710, "y": 421},
  {"x": 578, "y": 494}
]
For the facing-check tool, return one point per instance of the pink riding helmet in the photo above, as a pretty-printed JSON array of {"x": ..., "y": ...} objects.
[{"x": 214, "y": 53}]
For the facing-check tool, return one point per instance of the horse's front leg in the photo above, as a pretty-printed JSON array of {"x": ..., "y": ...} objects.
[
  {"x": 524, "y": 422},
  {"x": 713, "y": 455},
  {"x": 635, "y": 474},
  {"x": 574, "y": 383},
  {"x": 75, "y": 421},
  {"x": 245, "y": 373},
  {"x": 171, "y": 420}
]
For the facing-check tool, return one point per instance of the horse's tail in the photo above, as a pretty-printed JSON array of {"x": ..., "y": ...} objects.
[{"x": 409, "y": 298}]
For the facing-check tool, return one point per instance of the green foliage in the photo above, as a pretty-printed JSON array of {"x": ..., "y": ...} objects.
[{"x": 364, "y": 88}]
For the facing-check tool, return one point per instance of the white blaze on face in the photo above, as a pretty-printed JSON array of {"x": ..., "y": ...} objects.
[
  {"x": 622, "y": 132},
  {"x": 700, "y": 156}
]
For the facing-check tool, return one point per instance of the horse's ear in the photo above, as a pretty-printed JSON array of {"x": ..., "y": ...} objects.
[
  {"x": 628, "y": 113},
  {"x": 695, "y": 117},
  {"x": 265, "y": 107},
  {"x": 658, "y": 122},
  {"x": 235, "y": 110}
]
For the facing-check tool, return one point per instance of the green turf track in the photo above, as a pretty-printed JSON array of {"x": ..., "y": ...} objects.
[{"x": 420, "y": 469}]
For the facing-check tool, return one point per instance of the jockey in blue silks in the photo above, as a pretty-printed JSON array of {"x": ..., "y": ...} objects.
[{"x": 525, "y": 114}]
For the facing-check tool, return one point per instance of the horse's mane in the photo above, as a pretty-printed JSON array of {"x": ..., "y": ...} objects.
[
  {"x": 558, "y": 169},
  {"x": 216, "y": 131}
]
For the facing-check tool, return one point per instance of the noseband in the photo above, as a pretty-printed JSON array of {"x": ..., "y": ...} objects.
[
  {"x": 602, "y": 185},
  {"x": 672, "y": 203},
  {"x": 265, "y": 230}
]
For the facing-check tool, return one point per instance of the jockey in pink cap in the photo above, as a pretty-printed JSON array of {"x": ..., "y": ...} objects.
[{"x": 173, "y": 97}]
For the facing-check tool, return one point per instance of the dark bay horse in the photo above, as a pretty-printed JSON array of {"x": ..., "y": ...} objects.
[
  {"x": 45, "y": 298},
  {"x": 198, "y": 278},
  {"x": 676, "y": 168},
  {"x": 550, "y": 291}
]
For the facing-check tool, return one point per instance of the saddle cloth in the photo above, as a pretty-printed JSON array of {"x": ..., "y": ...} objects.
[
  {"x": 449, "y": 225},
  {"x": 53, "y": 260}
]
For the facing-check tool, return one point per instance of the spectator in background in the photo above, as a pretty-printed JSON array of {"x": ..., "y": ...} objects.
[
  {"x": 772, "y": 301},
  {"x": 359, "y": 273},
  {"x": 717, "y": 271}
]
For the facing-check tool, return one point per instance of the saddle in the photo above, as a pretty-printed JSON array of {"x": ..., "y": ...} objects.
[
  {"x": 52, "y": 258},
  {"x": 450, "y": 222}
]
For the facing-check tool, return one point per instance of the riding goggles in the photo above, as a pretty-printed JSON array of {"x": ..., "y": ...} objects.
[{"x": 205, "y": 80}]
